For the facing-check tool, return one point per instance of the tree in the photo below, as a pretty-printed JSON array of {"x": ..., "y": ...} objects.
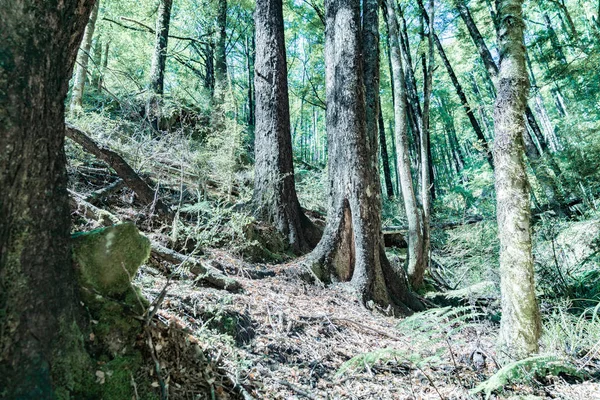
[
  {"x": 220, "y": 66},
  {"x": 159, "y": 62},
  {"x": 82, "y": 62},
  {"x": 275, "y": 196},
  {"x": 159, "y": 58},
  {"x": 40, "y": 346},
  {"x": 352, "y": 245},
  {"x": 416, "y": 262},
  {"x": 520, "y": 324}
]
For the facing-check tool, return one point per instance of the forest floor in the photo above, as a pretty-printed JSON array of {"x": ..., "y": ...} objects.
[{"x": 287, "y": 339}]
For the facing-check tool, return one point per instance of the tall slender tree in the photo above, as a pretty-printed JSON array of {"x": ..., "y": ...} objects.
[
  {"x": 520, "y": 323},
  {"x": 275, "y": 196},
  {"x": 83, "y": 57},
  {"x": 352, "y": 246},
  {"x": 416, "y": 264},
  {"x": 41, "y": 352}
]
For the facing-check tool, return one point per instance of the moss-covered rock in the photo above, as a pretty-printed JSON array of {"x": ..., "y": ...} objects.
[{"x": 107, "y": 259}]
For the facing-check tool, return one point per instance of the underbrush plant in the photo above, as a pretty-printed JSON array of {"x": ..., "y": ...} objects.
[
  {"x": 571, "y": 335},
  {"x": 468, "y": 254},
  {"x": 429, "y": 333}
]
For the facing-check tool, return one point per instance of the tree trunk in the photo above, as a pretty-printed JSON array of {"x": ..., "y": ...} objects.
[
  {"x": 427, "y": 192},
  {"x": 520, "y": 324},
  {"x": 352, "y": 245},
  {"x": 41, "y": 350},
  {"x": 385, "y": 159},
  {"x": 221, "y": 83},
  {"x": 275, "y": 196},
  {"x": 209, "y": 74},
  {"x": 104, "y": 65},
  {"x": 82, "y": 62},
  {"x": 159, "y": 58},
  {"x": 416, "y": 265}
]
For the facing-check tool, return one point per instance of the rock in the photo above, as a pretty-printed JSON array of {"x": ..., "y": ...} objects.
[{"x": 107, "y": 259}]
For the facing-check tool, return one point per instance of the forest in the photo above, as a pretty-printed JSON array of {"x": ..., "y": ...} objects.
[{"x": 299, "y": 199}]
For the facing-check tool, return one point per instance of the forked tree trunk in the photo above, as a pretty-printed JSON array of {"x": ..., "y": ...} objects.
[
  {"x": 520, "y": 324},
  {"x": 416, "y": 265},
  {"x": 83, "y": 58},
  {"x": 41, "y": 350},
  {"x": 352, "y": 245},
  {"x": 275, "y": 198}
]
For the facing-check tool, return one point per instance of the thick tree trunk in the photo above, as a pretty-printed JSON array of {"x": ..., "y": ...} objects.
[
  {"x": 275, "y": 198},
  {"x": 520, "y": 324},
  {"x": 41, "y": 351},
  {"x": 83, "y": 58},
  {"x": 159, "y": 58},
  {"x": 352, "y": 245},
  {"x": 416, "y": 265},
  {"x": 385, "y": 158}
]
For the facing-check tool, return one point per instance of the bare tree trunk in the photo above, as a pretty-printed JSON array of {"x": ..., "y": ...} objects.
[
  {"x": 41, "y": 349},
  {"x": 275, "y": 196},
  {"x": 520, "y": 324},
  {"x": 209, "y": 74},
  {"x": 416, "y": 265},
  {"x": 352, "y": 245},
  {"x": 82, "y": 62}
]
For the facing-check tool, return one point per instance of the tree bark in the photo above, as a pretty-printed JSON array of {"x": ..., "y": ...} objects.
[
  {"x": 83, "y": 58},
  {"x": 520, "y": 324},
  {"x": 416, "y": 265},
  {"x": 41, "y": 351},
  {"x": 352, "y": 245},
  {"x": 275, "y": 198}
]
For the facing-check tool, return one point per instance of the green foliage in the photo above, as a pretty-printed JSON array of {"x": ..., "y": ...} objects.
[
  {"x": 572, "y": 335},
  {"x": 524, "y": 371}
]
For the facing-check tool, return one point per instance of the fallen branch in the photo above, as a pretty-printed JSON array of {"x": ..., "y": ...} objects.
[
  {"x": 124, "y": 170},
  {"x": 205, "y": 273},
  {"x": 91, "y": 211},
  {"x": 101, "y": 194}
]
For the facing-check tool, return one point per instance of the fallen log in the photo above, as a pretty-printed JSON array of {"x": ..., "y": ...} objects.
[
  {"x": 205, "y": 273},
  {"x": 121, "y": 167}
]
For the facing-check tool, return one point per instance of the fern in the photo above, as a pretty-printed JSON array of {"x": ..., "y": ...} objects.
[{"x": 525, "y": 370}]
